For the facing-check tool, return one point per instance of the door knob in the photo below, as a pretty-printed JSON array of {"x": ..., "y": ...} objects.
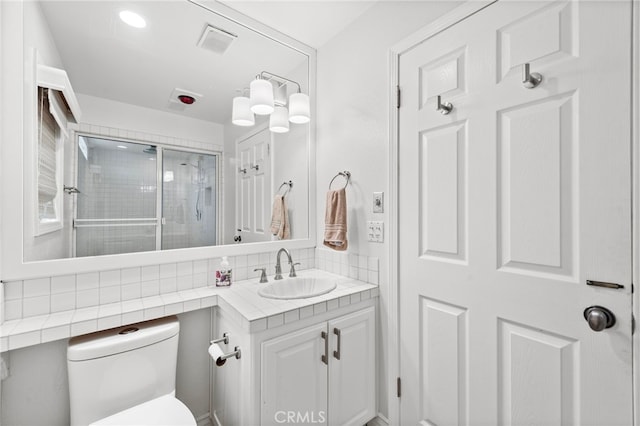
[{"x": 599, "y": 318}]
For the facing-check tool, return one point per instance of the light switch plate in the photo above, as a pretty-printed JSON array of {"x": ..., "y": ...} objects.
[{"x": 378, "y": 202}]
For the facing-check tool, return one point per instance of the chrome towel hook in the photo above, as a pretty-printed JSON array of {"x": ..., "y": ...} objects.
[
  {"x": 530, "y": 79},
  {"x": 444, "y": 108}
]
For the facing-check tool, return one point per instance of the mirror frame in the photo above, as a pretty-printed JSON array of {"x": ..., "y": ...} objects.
[{"x": 13, "y": 110}]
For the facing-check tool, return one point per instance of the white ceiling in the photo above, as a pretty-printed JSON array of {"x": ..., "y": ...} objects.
[
  {"x": 313, "y": 22},
  {"x": 108, "y": 59}
]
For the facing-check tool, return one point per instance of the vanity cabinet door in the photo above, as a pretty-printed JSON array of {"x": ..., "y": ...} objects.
[
  {"x": 294, "y": 378},
  {"x": 352, "y": 369}
]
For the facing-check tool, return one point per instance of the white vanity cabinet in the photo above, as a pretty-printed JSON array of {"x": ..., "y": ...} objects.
[
  {"x": 294, "y": 379},
  {"x": 323, "y": 374},
  {"x": 291, "y": 374}
]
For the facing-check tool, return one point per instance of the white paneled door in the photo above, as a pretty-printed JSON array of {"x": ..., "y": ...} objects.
[
  {"x": 508, "y": 204},
  {"x": 253, "y": 200}
]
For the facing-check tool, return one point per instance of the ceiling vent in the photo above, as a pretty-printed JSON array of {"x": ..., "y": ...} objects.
[{"x": 216, "y": 40}]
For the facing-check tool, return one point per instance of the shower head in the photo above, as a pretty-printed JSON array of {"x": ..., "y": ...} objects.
[
  {"x": 189, "y": 164},
  {"x": 150, "y": 150}
]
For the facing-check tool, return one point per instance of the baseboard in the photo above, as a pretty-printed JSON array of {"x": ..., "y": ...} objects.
[
  {"x": 204, "y": 420},
  {"x": 215, "y": 420},
  {"x": 379, "y": 421}
]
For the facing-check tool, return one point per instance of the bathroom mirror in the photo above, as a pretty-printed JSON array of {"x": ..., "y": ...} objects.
[{"x": 153, "y": 167}]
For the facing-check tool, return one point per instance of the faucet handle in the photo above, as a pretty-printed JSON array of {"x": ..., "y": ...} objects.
[
  {"x": 263, "y": 275},
  {"x": 278, "y": 275},
  {"x": 292, "y": 271}
]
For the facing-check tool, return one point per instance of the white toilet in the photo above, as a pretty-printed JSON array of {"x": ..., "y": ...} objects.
[{"x": 126, "y": 376}]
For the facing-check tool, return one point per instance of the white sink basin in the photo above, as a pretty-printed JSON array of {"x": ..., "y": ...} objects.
[{"x": 297, "y": 288}]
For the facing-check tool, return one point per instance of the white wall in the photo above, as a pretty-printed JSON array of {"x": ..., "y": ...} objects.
[
  {"x": 37, "y": 389},
  {"x": 192, "y": 381},
  {"x": 118, "y": 115},
  {"x": 353, "y": 121},
  {"x": 38, "y": 35},
  {"x": 56, "y": 244}
]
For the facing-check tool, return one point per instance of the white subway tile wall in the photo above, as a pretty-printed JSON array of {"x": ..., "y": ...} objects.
[
  {"x": 61, "y": 294},
  {"x": 359, "y": 267}
]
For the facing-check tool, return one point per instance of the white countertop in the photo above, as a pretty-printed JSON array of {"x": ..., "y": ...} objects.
[{"x": 241, "y": 300}]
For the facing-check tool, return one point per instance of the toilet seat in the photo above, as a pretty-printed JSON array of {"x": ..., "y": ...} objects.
[{"x": 166, "y": 410}]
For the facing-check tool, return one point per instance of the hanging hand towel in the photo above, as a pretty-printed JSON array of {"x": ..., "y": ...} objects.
[
  {"x": 335, "y": 220},
  {"x": 280, "y": 218}
]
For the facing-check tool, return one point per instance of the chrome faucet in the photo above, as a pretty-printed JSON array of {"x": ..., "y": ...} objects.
[{"x": 292, "y": 271}]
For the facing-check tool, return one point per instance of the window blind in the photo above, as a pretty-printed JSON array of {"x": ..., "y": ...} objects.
[{"x": 47, "y": 144}]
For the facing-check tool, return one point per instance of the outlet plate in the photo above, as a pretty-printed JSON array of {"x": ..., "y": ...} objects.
[
  {"x": 378, "y": 202},
  {"x": 375, "y": 231}
]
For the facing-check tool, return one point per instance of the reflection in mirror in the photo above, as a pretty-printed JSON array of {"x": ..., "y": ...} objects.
[
  {"x": 154, "y": 162},
  {"x": 124, "y": 197},
  {"x": 189, "y": 199}
]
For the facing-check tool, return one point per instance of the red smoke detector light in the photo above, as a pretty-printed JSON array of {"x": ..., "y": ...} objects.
[{"x": 186, "y": 99}]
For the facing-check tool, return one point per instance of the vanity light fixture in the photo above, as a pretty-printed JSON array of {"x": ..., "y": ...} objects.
[
  {"x": 132, "y": 19},
  {"x": 241, "y": 114},
  {"x": 299, "y": 108},
  {"x": 279, "y": 120},
  {"x": 268, "y": 96},
  {"x": 261, "y": 96}
]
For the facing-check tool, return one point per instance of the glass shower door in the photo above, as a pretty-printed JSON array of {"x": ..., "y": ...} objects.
[
  {"x": 117, "y": 204},
  {"x": 189, "y": 201}
]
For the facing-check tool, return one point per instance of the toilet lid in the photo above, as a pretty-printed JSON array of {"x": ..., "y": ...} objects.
[{"x": 166, "y": 410}]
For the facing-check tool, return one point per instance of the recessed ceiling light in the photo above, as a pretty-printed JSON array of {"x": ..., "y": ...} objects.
[
  {"x": 122, "y": 147},
  {"x": 133, "y": 19}
]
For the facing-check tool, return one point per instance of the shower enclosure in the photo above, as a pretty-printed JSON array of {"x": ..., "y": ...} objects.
[{"x": 136, "y": 197}]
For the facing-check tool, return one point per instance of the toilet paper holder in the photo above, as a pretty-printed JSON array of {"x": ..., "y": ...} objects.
[
  {"x": 222, "y": 358},
  {"x": 237, "y": 353},
  {"x": 224, "y": 338}
]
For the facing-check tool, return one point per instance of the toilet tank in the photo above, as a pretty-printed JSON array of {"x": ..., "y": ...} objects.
[{"x": 112, "y": 370}]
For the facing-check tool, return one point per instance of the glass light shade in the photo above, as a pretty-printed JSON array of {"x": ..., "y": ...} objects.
[
  {"x": 299, "y": 109},
  {"x": 279, "y": 120},
  {"x": 241, "y": 114},
  {"x": 261, "y": 96}
]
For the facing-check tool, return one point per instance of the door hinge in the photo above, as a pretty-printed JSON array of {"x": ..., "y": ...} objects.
[
  {"x": 398, "y": 97},
  {"x": 399, "y": 387}
]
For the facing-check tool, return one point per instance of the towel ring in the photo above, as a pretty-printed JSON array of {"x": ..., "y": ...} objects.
[
  {"x": 346, "y": 174},
  {"x": 289, "y": 185}
]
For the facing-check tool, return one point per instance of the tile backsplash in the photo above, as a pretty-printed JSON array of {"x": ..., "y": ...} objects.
[
  {"x": 42, "y": 296},
  {"x": 359, "y": 267}
]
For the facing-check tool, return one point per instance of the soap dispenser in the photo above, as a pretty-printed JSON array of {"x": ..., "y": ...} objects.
[{"x": 223, "y": 274}]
